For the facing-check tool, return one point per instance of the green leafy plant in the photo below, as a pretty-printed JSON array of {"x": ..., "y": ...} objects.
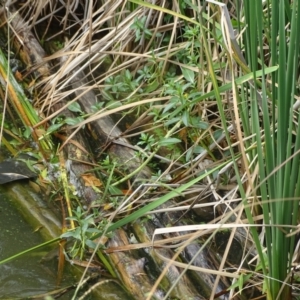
[
  {"x": 198, "y": 81},
  {"x": 83, "y": 233},
  {"x": 140, "y": 29}
]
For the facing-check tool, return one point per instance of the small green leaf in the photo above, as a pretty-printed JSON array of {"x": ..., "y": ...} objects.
[
  {"x": 168, "y": 107},
  {"x": 188, "y": 74},
  {"x": 172, "y": 121},
  {"x": 73, "y": 121},
  {"x": 75, "y": 107},
  {"x": 91, "y": 244},
  {"x": 92, "y": 230},
  {"x": 152, "y": 86},
  {"x": 198, "y": 123},
  {"x": 114, "y": 190},
  {"x": 240, "y": 282},
  {"x": 218, "y": 133},
  {"x": 27, "y": 132},
  {"x": 54, "y": 127},
  {"x": 67, "y": 234},
  {"x": 113, "y": 104},
  {"x": 185, "y": 118},
  {"x": 169, "y": 141}
]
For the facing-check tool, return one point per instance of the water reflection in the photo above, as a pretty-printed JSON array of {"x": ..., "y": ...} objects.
[{"x": 25, "y": 276}]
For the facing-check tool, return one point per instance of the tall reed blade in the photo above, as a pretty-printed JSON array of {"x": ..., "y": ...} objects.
[{"x": 275, "y": 28}]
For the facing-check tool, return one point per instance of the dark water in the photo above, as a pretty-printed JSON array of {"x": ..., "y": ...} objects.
[
  {"x": 31, "y": 276},
  {"x": 25, "y": 276}
]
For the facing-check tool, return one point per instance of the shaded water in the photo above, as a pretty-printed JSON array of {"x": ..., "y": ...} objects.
[
  {"x": 30, "y": 275},
  {"x": 25, "y": 276}
]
